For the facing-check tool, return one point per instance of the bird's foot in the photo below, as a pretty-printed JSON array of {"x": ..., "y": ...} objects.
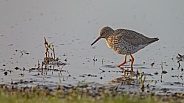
[
  {"x": 131, "y": 69},
  {"x": 121, "y": 64}
]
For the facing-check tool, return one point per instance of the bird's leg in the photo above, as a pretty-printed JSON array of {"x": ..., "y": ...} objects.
[
  {"x": 132, "y": 61},
  {"x": 123, "y": 61}
]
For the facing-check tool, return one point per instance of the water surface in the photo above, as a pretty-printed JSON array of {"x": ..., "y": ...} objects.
[{"x": 74, "y": 25}]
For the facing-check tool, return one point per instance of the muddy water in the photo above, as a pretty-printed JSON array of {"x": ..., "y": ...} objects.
[{"x": 74, "y": 25}]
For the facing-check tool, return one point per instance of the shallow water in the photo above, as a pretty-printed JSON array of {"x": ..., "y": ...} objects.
[{"x": 74, "y": 25}]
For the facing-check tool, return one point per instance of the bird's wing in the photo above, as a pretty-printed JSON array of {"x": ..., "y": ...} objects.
[{"x": 132, "y": 37}]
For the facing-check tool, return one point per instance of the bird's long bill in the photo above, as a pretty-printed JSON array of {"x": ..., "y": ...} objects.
[{"x": 96, "y": 40}]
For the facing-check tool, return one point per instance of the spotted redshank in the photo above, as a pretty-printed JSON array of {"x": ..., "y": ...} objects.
[{"x": 123, "y": 41}]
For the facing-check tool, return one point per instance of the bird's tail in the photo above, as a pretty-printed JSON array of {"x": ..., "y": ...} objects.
[{"x": 153, "y": 40}]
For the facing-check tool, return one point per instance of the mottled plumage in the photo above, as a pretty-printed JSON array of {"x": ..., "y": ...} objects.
[{"x": 124, "y": 41}]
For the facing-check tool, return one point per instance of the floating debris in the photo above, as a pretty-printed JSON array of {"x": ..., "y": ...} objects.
[
  {"x": 156, "y": 73},
  {"x": 94, "y": 59},
  {"x": 152, "y": 64},
  {"x": 5, "y": 73},
  {"x": 23, "y": 52},
  {"x": 172, "y": 68},
  {"x": 164, "y": 72},
  {"x": 87, "y": 75},
  {"x": 16, "y": 68},
  {"x": 180, "y": 57},
  {"x": 102, "y": 70}
]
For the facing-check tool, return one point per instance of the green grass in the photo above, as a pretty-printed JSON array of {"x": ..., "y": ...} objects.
[
  {"x": 60, "y": 96},
  {"x": 47, "y": 99}
]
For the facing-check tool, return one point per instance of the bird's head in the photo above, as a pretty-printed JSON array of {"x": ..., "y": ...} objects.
[{"x": 104, "y": 33}]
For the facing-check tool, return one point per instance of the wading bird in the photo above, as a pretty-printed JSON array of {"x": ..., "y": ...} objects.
[{"x": 123, "y": 41}]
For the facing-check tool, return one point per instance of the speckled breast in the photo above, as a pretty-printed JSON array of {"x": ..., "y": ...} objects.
[{"x": 120, "y": 46}]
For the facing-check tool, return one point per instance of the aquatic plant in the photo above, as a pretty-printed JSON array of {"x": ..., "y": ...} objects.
[
  {"x": 142, "y": 79},
  {"x": 162, "y": 68}
]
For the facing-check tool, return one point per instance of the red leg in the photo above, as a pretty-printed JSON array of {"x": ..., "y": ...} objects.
[
  {"x": 132, "y": 62},
  {"x": 123, "y": 61}
]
